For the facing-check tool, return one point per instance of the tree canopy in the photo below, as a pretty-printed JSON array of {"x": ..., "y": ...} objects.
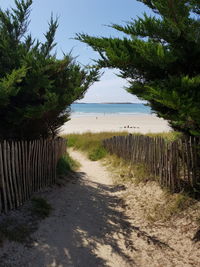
[
  {"x": 160, "y": 57},
  {"x": 36, "y": 88}
]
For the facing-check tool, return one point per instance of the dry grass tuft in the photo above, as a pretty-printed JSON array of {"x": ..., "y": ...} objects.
[
  {"x": 170, "y": 206},
  {"x": 125, "y": 171}
]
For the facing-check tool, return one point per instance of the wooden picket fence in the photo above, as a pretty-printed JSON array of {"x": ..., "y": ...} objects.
[
  {"x": 175, "y": 165},
  {"x": 27, "y": 167}
]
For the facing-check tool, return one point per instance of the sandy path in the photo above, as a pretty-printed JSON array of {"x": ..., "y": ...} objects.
[
  {"x": 95, "y": 223},
  {"x": 85, "y": 228}
]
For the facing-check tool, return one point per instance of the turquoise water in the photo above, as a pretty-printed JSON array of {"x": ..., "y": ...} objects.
[{"x": 121, "y": 109}]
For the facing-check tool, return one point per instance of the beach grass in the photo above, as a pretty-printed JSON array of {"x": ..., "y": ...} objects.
[
  {"x": 125, "y": 172},
  {"x": 91, "y": 143},
  {"x": 168, "y": 136},
  {"x": 66, "y": 164}
]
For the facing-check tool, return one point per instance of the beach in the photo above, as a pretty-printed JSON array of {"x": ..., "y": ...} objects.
[{"x": 143, "y": 123}]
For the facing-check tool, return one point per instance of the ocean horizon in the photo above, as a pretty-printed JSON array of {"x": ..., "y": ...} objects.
[{"x": 92, "y": 109}]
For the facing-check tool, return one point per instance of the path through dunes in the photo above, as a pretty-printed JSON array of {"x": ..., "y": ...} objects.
[
  {"x": 85, "y": 228},
  {"x": 90, "y": 227}
]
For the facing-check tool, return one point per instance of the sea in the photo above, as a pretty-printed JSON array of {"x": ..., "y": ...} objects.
[{"x": 96, "y": 109}]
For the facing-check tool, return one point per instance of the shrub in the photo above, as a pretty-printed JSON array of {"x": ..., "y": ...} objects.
[
  {"x": 66, "y": 164},
  {"x": 40, "y": 207},
  {"x": 36, "y": 88},
  {"x": 97, "y": 153}
]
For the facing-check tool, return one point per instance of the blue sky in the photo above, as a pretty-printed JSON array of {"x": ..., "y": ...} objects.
[{"x": 88, "y": 16}]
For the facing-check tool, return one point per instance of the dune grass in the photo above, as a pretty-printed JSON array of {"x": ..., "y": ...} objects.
[
  {"x": 91, "y": 143},
  {"x": 123, "y": 171},
  {"x": 168, "y": 136},
  {"x": 66, "y": 164},
  {"x": 172, "y": 206}
]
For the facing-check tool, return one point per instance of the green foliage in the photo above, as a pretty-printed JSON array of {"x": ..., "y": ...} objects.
[
  {"x": 66, "y": 164},
  {"x": 160, "y": 58},
  {"x": 36, "y": 88},
  {"x": 91, "y": 143},
  {"x": 97, "y": 153},
  {"x": 40, "y": 207}
]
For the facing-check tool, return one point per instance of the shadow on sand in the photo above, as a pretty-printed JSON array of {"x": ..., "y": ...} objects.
[
  {"x": 85, "y": 229},
  {"x": 87, "y": 219}
]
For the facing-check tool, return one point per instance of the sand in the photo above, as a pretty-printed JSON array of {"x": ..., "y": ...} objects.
[
  {"x": 96, "y": 223},
  {"x": 131, "y": 123},
  {"x": 83, "y": 229}
]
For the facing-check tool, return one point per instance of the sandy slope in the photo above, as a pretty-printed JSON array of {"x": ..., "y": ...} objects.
[{"x": 91, "y": 226}]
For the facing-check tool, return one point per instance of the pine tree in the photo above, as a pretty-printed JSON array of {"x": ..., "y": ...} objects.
[
  {"x": 36, "y": 88},
  {"x": 160, "y": 58}
]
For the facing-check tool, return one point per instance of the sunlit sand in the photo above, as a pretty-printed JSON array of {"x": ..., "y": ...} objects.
[{"x": 131, "y": 123}]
